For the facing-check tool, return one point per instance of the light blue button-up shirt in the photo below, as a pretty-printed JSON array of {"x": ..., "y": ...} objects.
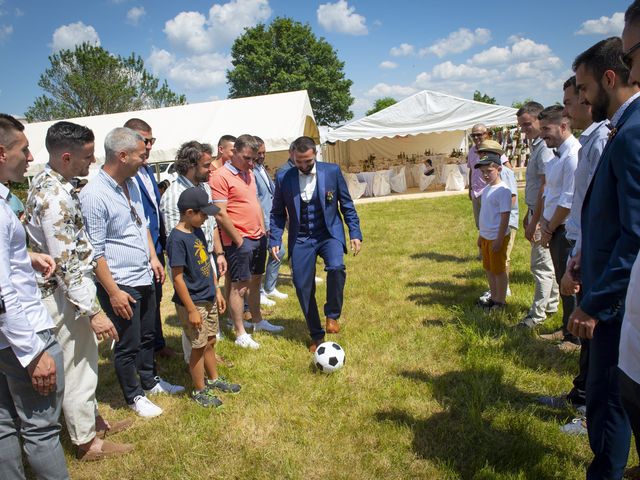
[{"x": 111, "y": 222}]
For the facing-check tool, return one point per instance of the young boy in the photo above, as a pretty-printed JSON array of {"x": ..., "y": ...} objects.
[
  {"x": 197, "y": 296},
  {"x": 494, "y": 223}
]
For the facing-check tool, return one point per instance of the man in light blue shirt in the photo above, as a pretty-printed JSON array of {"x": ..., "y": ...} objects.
[{"x": 126, "y": 264}]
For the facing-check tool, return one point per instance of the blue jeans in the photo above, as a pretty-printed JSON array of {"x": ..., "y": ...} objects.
[
  {"x": 133, "y": 355},
  {"x": 272, "y": 270},
  {"x": 34, "y": 417}
]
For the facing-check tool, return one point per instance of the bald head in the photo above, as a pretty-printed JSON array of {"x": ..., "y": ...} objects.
[{"x": 479, "y": 133}]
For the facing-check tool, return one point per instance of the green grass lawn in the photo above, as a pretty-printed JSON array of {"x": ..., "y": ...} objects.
[{"x": 433, "y": 388}]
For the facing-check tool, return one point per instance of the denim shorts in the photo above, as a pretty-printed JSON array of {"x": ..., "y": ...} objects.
[{"x": 247, "y": 260}]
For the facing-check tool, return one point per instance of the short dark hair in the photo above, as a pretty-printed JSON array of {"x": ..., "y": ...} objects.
[
  {"x": 9, "y": 126},
  {"x": 570, "y": 82},
  {"x": 67, "y": 135},
  {"x": 138, "y": 125},
  {"x": 632, "y": 15},
  {"x": 603, "y": 56},
  {"x": 245, "y": 141},
  {"x": 189, "y": 155},
  {"x": 226, "y": 139},
  {"x": 530, "y": 108},
  {"x": 303, "y": 144},
  {"x": 259, "y": 140},
  {"x": 553, "y": 114}
]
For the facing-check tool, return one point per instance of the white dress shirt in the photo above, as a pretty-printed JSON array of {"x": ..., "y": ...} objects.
[
  {"x": 307, "y": 184},
  {"x": 25, "y": 314},
  {"x": 560, "y": 176},
  {"x": 629, "y": 354}
]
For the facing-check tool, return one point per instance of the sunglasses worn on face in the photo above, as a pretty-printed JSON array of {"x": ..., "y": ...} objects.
[
  {"x": 148, "y": 141},
  {"x": 477, "y": 135},
  {"x": 625, "y": 57}
]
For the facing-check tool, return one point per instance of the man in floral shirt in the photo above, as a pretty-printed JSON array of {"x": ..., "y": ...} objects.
[{"x": 55, "y": 225}]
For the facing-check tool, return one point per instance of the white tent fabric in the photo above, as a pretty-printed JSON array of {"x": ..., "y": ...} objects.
[
  {"x": 398, "y": 181},
  {"x": 278, "y": 119},
  {"x": 356, "y": 187},
  {"x": 426, "y": 120},
  {"x": 455, "y": 181}
]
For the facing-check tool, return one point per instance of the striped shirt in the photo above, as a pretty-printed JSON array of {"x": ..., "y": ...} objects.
[
  {"x": 171, "y": 214},
  {"x": 117, "y": 229}
]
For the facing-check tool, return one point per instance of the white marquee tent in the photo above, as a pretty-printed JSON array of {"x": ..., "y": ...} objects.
[
  {"x": 426, "y": 120},
  {"x": 278, "y": 119}
]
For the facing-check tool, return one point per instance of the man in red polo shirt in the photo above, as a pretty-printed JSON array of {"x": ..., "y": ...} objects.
[{"x": 243, "y": 236}]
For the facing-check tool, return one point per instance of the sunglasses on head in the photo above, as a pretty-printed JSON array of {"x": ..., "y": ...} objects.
[{"x": 625, "y": 57}]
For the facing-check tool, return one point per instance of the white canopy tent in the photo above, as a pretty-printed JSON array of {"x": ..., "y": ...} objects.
[
  {"x": 278, "y": 119},
  {"x": 426, "y": 120}
]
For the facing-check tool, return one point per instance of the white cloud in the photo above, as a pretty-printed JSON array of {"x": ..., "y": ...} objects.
[
  {"x": 5, "y": 32},
  {"x": 404, "y": 50},
  {"x": 194, "y": 73},
  {"x": 19, "y": 13},
  {"x": 492, "y": 56},
  {"x": 339, "y": 17},
  {"x": 385, "y": 90},
  {"x": 458, "y": 41},
  {"x": 522, "y": 49},
  {"x": 604, "y": 26},
  {"x": 68, "y": 36},
  {"x": 194, "y": 32},
  {"x": 135, "y": 14},
  {"x": 388, "y": 65},
  {"x": 449, "y": 71}
]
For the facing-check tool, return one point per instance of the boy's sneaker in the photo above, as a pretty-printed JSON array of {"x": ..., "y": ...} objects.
[
  {"x": 245, "y": 341},
  {"x": 277, "y": 294},
  {"x": 267, "y": 302},
  {"x": 223, "y": 385},
  {"x": 496, "y": 307},
  {"x": 577, "y": 426},
  {"x": 267, "y": 327},
  {"x": 145, "y": 407},
  {"x": 205, "y": 399},
  {"x": 485, "y": 297},
  {"x": 164, "y": 387}
]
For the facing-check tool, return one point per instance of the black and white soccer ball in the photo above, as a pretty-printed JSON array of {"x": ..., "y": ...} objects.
[{"x": 329, "y": 357}]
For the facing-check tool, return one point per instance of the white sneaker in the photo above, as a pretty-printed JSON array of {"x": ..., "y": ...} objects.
[
  {"x": 578, "y": 426},
  {"x": 486, "y": 296},
  {"x": 267, "y": 327},
  {"x": 267, "y": 302},
  {"x": 277, "y": 294},
  {"x": 145, "y": 407},
  {"x": 245, "y": 341},
  {"x": 508, "y": 291},
  {"x": 246, "y": 324},
  {"x": 164, "y": 387},
  {"x": 319, "y": 280}
]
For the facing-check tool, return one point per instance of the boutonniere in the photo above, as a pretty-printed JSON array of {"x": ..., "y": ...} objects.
[
  {"x": 329, "y": 196},
  {"x": 612, "y": 132}
]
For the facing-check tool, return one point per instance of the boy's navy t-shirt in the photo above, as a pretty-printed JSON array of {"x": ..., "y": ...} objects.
[{"x": 189, "y": 250}]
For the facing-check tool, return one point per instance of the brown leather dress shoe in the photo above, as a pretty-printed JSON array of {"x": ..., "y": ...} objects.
[
  {"x": 117, "y": 427},
  {"x": 332, "y": 326},
  {"x": 314, "y": 345},
  {"x": 109, "y": 449}
]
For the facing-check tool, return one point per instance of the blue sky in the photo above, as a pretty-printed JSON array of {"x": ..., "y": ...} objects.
[{"x": 510, "y": 50}]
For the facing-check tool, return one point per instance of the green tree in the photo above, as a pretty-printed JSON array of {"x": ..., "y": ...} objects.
[
  {"x": 90, "y": 81},
  {"x": 518, "y": 104},
  {"x": 381, "y": 104},
  {"x": 478, "y": 96},
  {"x": 286, "y": 56}
]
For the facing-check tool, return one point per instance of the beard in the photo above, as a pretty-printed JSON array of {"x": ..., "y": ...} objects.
[{"x": 600, "y": 107}]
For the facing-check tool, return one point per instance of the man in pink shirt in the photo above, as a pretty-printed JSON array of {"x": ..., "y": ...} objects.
[{"x": 243, "y": 236}]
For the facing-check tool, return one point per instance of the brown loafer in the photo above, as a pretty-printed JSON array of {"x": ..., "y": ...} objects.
[
  {"x": 109, "y": 449},
  {"x": 552, "y": 337},
  {"x": 332, "y": 326},
  {"x": 117, "y": 427},
  {"x": 314, "y": 345}
]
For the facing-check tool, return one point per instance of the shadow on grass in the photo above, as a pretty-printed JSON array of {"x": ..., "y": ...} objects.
[
  {"x": 468, "y": 436},
  {"x": 441, "y": 257},
  {"x": 520, "y": 344},
  {"x": 516, "y": 276}
]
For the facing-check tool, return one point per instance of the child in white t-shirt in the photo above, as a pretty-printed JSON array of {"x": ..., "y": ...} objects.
[{"x": 494, "y": 229}]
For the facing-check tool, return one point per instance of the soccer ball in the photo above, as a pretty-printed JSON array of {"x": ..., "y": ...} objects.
[{"x": 329, "y": 357}]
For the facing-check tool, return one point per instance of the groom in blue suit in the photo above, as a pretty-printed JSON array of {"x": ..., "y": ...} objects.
[
  {"x": 151, "y": 202},
  {"x": 313, "y": 196},
  {"x": 610, "y": 244}
]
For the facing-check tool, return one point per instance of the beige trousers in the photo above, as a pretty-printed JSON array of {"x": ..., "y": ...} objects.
[{"x": 80, "y": 357}]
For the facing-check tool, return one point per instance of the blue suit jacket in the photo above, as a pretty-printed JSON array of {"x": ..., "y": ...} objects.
[
  {"x": 611, "y": 222},
  {"x": 265, "y": 194},
  {"x": 333, "y": 192},
  {"x": 156, "y": 223}
]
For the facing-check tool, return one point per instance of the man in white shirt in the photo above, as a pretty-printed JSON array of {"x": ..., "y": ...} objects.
[
  {"x": 31, "y": 373},
  {"x": 555, "y": 130}
]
